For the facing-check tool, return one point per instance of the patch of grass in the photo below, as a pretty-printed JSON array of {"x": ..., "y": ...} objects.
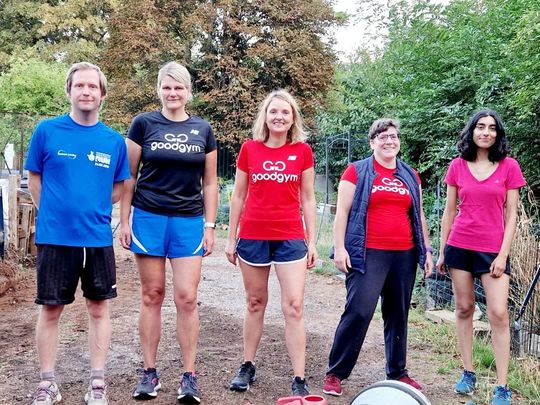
[{"x": 441, "y": 339}]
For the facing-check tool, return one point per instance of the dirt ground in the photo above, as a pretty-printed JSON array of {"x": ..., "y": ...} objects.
[{"x": 220, "y": 347}]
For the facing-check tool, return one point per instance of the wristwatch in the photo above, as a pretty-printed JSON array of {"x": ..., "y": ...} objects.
[
  {"x": 429, "y": 249},
  {"x": 210, "y": 225}
]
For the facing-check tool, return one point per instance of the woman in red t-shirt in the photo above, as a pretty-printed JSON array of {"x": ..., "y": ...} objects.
[
  {"x": 380, "y": 236},
  {"x": 272, "y": 201},
  {"x": 475, "y": 242}
]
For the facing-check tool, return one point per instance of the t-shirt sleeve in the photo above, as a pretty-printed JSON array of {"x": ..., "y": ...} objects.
[
  {"x": 211, "y": 144},
  {"x": 136, "y": 130},
  {"x": 242, "y": 161},
  {"x": 450, "y": 177},
  {"x": 350, "y": 175},
  {"x": 122, "y": 167},
  {"x": 418, "y": 179},
  {"x": 308, "y": 158},
  {"x": 515, "y": 177},
  {"x": 34, "y": 159}
]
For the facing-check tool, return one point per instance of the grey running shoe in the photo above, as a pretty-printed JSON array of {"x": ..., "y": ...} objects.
[
  {"x": 47, "y": 393},
  {"x": 96, "y": 394},
  {"x": 148, "y": 386},
  {"x": 188, "y": 392},
  {"x": 244, "y": 377},
  {"x": 299, "y": 387}
]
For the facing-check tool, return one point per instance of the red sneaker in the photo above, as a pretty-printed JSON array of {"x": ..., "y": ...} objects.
[
  {"x": 408, "y": 380},
  {"x": 332, "y": 385}
]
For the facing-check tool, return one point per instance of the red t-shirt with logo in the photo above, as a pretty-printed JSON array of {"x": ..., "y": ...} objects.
[
  {"x": 388, "y": 223},
  {"x": 272, "y": 206}
]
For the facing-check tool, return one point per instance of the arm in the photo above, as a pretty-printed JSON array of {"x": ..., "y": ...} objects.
[
  {"x": 449, "y": 214},
  {"x": 428, "y": 266},
  {"x": 345, "y": 197},
  {"x": 34, "y": 186},
  {"x": 309, "y": 209},
  {"x": 210, "y": 199},
  {"x": 134, "y": 157},
  {"x": 117, "y": 191},
  {"x": 236, "y": 206},
  {"x": 510, "y": 220}
]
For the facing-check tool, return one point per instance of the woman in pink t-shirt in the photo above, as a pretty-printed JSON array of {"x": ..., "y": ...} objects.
[
  {"x": 477, "y": 229},
  {"x": 273, "y": 199}
]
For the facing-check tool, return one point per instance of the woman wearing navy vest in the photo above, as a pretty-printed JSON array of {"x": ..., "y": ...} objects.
[{"x": 380, "y": 236}]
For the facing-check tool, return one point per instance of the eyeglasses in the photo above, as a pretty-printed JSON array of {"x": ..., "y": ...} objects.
[{"x": 384, "y": 137}]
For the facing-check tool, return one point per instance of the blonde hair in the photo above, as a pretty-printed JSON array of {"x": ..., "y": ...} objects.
[
  {"x": 296, "y": 132},
  {"x": 86, "y": 66},
  {"x": 176, "y": 71}
]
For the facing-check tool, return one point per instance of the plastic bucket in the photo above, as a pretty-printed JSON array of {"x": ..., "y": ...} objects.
[
  {"x": 307, "y": 400},
  {"x": 390, "y": 392}
]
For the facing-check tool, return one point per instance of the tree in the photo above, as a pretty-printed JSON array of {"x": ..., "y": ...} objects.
[
  {"x": 67, "y": 30},
  {"x": 237, "y": 51}
]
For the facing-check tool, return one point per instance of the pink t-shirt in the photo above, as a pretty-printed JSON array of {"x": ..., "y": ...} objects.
[
  {"x": 479, "y": 224},
  {"x": 272, "y": 207}
]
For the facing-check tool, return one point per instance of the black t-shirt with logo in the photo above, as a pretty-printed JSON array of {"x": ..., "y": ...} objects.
[{"x": 173, "y": 159}]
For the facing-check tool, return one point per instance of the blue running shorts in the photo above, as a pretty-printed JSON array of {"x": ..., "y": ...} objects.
[
  {"x": 166, "y": 236},
  {"x": 267, "y": 252}
]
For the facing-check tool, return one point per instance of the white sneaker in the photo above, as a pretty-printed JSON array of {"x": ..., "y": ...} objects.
[
  {"x": 96, "y": 395},
  {"x": 47, "y": 393}
]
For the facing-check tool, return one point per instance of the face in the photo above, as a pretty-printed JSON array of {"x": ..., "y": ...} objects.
[
  {"x": 174, "y": 95},
  {"x": 386, "y": 144},
  {"x": 279, "y": 116},
  {"x": 485, "y": 132},
  {"x": 85, "y": 92}
]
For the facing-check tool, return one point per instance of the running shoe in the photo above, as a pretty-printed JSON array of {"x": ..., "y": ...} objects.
[
  {"x": 244, "y": 377},
  {"x": 148, "y": 386}
]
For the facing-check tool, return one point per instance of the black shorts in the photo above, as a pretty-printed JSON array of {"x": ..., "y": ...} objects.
[
  {"x": 472, "y": 261},
  {"x": 267, "y": 252},
  {"x": 59, "y": 269}
]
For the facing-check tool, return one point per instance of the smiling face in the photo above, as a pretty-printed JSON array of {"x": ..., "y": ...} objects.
[
  {"x": 485, "y": 132},
  {"x": 385, "y": 145},
  {"x": 85, "y": 94},
  {"x": 173, "y": 94},
  {"x": 279, "y": 117}
]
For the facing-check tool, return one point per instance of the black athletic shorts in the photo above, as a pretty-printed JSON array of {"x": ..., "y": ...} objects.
[
  {"x": 472, "y": 261},
  {"x": 59, "y": 269}
]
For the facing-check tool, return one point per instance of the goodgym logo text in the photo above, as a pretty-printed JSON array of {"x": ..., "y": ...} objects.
[
  {"x": 177, "y": 143},
  {"x": 273, "y": 172}
]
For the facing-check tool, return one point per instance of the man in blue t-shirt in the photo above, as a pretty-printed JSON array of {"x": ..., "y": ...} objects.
[{"x": 77, "y": 166}]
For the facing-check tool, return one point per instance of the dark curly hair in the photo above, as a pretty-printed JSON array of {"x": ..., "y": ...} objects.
[{"x": 466, "y": 146}]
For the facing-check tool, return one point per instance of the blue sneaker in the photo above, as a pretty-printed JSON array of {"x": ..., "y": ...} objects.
[
  {"x": 188, "y": 393},
  {"x": 502, "y": 395},
  {"x": 148, "y": 386},
  {"x": 466, "y": 384}
]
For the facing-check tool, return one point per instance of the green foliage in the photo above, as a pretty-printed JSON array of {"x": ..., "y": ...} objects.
[
  {"x": 439, "y": 65},
  {"x": 34, "y": 87}
]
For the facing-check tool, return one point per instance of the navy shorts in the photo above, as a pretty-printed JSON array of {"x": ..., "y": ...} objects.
[
  {"x": 59, "y": 269},
  {"x": 472, "y": 261},
  {"x": 267, "y": 252},
  {"x": 166, "y": 236}
]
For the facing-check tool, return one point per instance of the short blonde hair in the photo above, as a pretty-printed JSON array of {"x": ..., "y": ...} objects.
[
  {"x": 178, "y": 72},
  {"x": 296, "y": 133},
  {"x": 86, "y": 66}
]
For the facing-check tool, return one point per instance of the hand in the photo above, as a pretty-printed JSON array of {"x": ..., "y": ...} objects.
[
  {"x": 125, "y": 235},
  {"x": 230, "y": 251},
  {"x": 498, "y": 266},
  {"x": 342, "y": 260},
  {"x": 428, "y": 265},
  {"x": 441, "y": 267},
  {"x": 208, "y": 241},
  {"x": 312, "y": 256}
]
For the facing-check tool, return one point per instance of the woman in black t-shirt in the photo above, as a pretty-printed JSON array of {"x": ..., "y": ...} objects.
[{"x": 173, "y": 190}]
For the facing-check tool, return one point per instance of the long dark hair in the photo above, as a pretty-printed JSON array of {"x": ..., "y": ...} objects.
[{"x": 468, "y": 149}]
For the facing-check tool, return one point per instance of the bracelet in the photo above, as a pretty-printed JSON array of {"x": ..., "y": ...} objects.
[
  {"x": 210, "y": 225},
  {"x": 429, "y": 249}
]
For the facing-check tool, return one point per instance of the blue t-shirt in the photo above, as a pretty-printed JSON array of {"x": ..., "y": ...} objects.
[
  {"x": 173, "y": 156},
  {"x": 78, "y": 166}
]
